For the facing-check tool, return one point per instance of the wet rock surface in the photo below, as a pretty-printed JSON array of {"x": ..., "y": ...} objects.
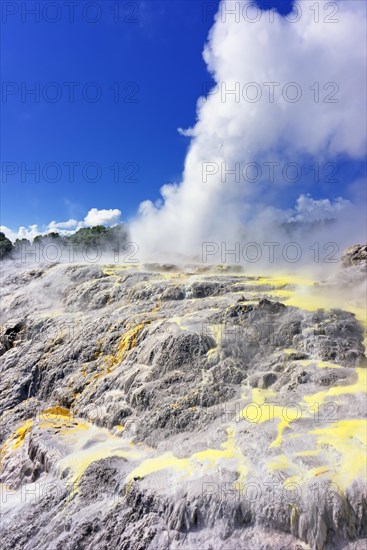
[{"x": 162, "y": 408}]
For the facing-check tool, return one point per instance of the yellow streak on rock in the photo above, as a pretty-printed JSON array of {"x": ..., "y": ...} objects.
[
  {"x": 319, "y": 364},
  {"x": 279, "y": 281},
  {"x": 80, "y": 460},
  {"x": 208, "y": 459},
  {"x": 259, "y": 395},
  {"x": 302, "y": 293},
  {"x": 349, "y": 439},
  {"x": 56, "y": 411},
  {"x": 179, "y": 322},
  {"x": 16, "y": 440},
  {"x": 87, "y": 443},
  {"x": 342, "y": 444},
  {"x": 279, "y": 462},
  {"x": 359, "y": 386},
  {"x": 109, "y": 270},
  {"x": 21, "y": 432},
  {"x": 128, "y": 341},
  {"x": 269, "y": 412},
  {"x": 345, "y": 448},
  {"x": 62, "y": 419},
  {"x": 162, "y": 462}
]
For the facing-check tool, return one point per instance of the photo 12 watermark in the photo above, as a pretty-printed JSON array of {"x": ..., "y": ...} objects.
[
  {"x": 272, "y": 92},
  {"x": 73, "y": 12},
  {"x": 268, "y": 172},
  {"x": 49, "y": 250},
  {"x": 268, "y": 251},
  {"x": 270, "y": 492},
  {"x": 69, "y": 92},
  {"x": 234, "y": 11},
  {"x": 70, "y": 171}
]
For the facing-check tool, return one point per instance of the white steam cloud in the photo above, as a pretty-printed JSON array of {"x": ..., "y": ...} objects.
[{"x": 286, "y": 89}]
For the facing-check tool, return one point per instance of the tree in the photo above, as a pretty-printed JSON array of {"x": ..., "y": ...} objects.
[
  {"x": 6, "y": 246},
  {"x": 24, "y": 242},
  {"x": 41, "y": 238},
  {"x": 89, "y": 236}
]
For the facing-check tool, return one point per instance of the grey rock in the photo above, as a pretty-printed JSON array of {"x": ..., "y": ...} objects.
[
  {"x": 355, "y": 255},
  {"x": 155, "y": 368}
]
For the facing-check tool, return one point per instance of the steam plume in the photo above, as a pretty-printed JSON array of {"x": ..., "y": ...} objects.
[{"x": 327, "y": 122}]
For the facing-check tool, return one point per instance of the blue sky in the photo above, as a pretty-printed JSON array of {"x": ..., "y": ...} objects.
[{"x": 154, "y": 53}]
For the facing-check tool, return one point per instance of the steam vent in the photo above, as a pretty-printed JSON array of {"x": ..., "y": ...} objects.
[{"x": 197, "y": 408}]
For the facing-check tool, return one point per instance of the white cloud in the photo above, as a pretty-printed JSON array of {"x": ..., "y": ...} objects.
[
  {"x": 230, "y": 128},
  {"x": 311, "y": 210},
  {"x": 102, "y": 217},
  {"x": 93, "y": 217},
  {"x": 8, "y": 232},
  {"x": 29, "y": 232},
  {"x": 70, "y": 224}
]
